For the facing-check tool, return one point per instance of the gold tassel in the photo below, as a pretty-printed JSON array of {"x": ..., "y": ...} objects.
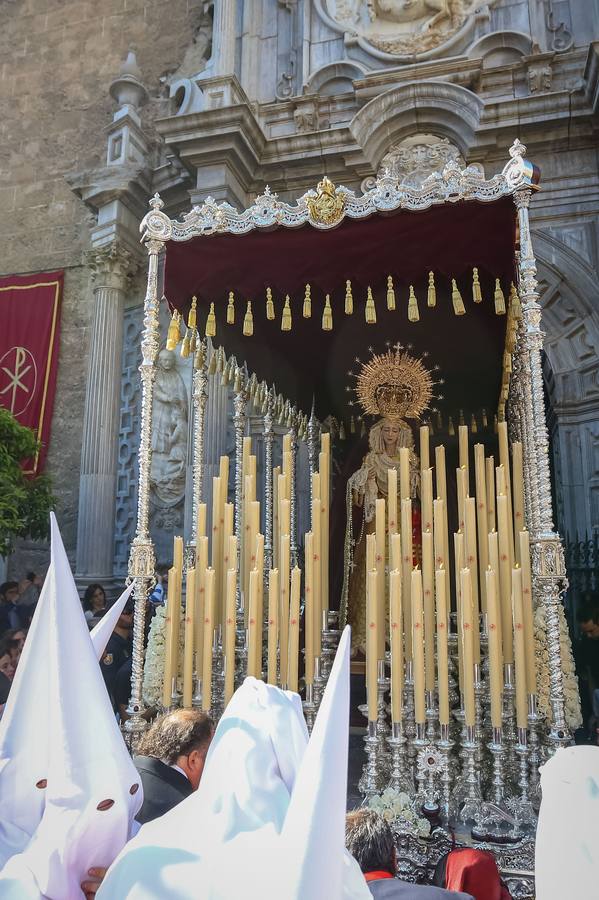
[
  {"x": 431, "y": 299},
  {"x": 473, "y": 424},
  {"x": 186, "y": 345},
  {"x": 286, "y": 317},
  {"x": 270, "y": 307},
  {"x": 237, "y": 382},
  {"x": 390, "y": 293},
  {"x": 484, "y": 418},
  {"x": 231, "y": 309},
  {"x": 307, "y": 310},
  {"x": 515, "y": 304},
  {"x": 199, "y": 359},
  {"x": 450, "y": 426},
  {"x": 248, "y": 321},
  {"x": 349, "y": 300},
  {"x": 212, "y": 366},
  {"x": 174, "y": 334},
  {"x": 370, "y": 310},
  {"x": 456, "y": 297},
  {"x": 476, "y": 291},
  {"x": 327, "y": 315},
  {"x": 342, "y": 434},
  {"x": 220, "y": 361},
  {"x": 352, "y": 425},
  {"x": 191, "y": 324},
  {"x": 211, "y": 323},
  {"x": 413, "y": 314},
  {"x": 499, "y": 299}
]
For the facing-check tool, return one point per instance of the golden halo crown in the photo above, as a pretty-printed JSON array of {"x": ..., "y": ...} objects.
[{"x": 394, "y": 385}]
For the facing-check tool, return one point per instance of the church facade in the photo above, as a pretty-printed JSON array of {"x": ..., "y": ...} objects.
[{"x": 109, "y": 104}]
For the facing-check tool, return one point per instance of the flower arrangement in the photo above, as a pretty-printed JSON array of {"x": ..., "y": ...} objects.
[
  {"x": 154, "y": 663},
  {"x": 397, "y": 808},
  {"x": 570, "y": 681}
]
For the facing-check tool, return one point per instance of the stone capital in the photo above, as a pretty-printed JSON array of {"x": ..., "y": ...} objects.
[{"x": 112, "y": 266}]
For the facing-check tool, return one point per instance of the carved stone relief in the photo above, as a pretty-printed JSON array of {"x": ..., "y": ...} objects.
[
  {"x": 402, "y": 27},
  {"x": 414, "y": 159}
]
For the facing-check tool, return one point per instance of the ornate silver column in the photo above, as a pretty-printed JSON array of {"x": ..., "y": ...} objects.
[
  {"x": 313, "y": 431},
  {"x": 548, "y": 566},
  {"x": 200, "y": 398},
  {"x": 111, "y": 267},
  {"x": 155, "y": 228},
  {"x": 240, "y": 399}
]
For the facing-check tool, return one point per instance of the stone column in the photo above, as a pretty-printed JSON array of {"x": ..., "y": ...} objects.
[
  {"x": 111, "y": 268},
  {"x": 224, "y": 35}
]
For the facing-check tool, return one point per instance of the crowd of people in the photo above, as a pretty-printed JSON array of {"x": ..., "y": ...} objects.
[{"x": 252, "y": 808}]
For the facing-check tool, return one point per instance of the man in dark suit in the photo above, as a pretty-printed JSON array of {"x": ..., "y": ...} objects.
[
  {"x": 369, "y": 839},
  {"x": 170, "y": 760}
]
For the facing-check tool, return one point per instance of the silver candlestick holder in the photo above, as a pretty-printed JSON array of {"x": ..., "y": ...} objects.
[
  {"x": 309, "y": 707},
  {"x": 400, "y": 779},
  {"x": 218, "y": 677},
  {"x": 370, "y": 782},
  {"x": 176, "y": 697},
  {"x": 536, "y": 758},
  {"x": 330, "y": 640},
  {"x": 445, "y": 746},
  {"x": 431, "y": 717},
  {"x": 419, "y": 743},
  {"x": 471, "y": 810},
  {"x": 509, "y": 718},
  {"x": 383, "y": 683},
  {"x": 319, "y": 682},
  {"x": 524, "y": 814}
]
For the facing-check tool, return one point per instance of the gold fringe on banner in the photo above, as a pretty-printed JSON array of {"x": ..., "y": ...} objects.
[
  {"x": 476, "y": 291},
  {"x": 307, "y": 310},
  {"x": 349, "y": 300},
  {"x": 248, "y": 321},
  {"x": 286, "y": 316},
  {"x": 431, "y": 299},
  {"x": 499, "y": 299},
  {"x": 174, "y": 331},
  {"x": 211, "y": 323},
  {"x": 370, "y": 311},
  {"x": 231, "y": 309},
  {"x": 456, "y": 298},
  {"x": 327, "y": 315},
  {"x": 390, "y": 293},
  {"x": 270, "y": 306},
  {"x": 413, "y": 314}
]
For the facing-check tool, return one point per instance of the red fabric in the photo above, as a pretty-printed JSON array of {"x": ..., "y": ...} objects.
[
  {"x": 29, "y": 342},
  {"x": 474, "y": 872},
  {"x": 376, "y": 876}
]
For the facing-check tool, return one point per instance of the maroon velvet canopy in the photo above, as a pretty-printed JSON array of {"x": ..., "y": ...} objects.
[{"x": 449, "y": 240}]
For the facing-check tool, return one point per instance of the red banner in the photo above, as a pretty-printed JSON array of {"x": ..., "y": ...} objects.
[{"x": 29, "y": 342}]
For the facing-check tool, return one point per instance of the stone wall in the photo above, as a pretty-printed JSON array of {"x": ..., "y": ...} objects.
[{"x": 58, "y": 60}]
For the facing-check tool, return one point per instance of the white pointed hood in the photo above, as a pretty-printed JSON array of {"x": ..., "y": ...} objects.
[
  {"x": 566, "y": 851},
  {"x": 92, "y": 789},
  {"x": 236, "y": 835},
  {"x": 101, "y": 632},
  {"x": 313, "y": 837}
]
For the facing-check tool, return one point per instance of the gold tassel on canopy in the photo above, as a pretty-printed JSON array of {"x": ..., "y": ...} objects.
[
  {"x": 270, "y": 306},
  {"x": 174, "y": 332},
  {"x": 189, "y": 341},
  {"x": 370, "y": 310},
  {"x": 476, "y": 291},
  {"x": 231, "y": 309},
  {"x": 286, "y": 317},
  {"x": 413, "y": 314},
  {"x": 307, "y": 310},
  {"x": 248, "y": 321},
  {"x": 499, "y": 299},
  {"x": 515, "y": 304},
  {"x": 211, "y": 323},
  {"x": 456, "y": 298},
  {"x": 390, "y": 293},
  {"x": 431, "y": 299},
  {"x": 349, "y": 300},
  {"x": 327, "y": 315}
]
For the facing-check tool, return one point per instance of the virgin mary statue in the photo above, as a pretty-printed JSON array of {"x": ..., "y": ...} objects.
[{"x": 397, "y": 386}]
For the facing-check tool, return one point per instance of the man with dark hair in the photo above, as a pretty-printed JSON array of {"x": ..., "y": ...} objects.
[
  {"x": 171, "y": 760},
  {"x": 9, "y": 614},
  {"x": 369, "y": 839}
]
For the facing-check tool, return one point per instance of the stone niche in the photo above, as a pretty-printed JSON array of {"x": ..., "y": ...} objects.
[{"x": 415, "y": 158}]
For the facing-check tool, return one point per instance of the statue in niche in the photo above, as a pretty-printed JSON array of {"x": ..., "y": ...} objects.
[
  {"x": 169, "y": 432},
  {"x": 396, "y": 387},
  {"x": 418, "y": 156},
  {"x": 403, "y": 27}
]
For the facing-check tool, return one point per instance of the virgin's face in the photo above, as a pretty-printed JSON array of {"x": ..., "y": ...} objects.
[{"x": 390, "y": 434}]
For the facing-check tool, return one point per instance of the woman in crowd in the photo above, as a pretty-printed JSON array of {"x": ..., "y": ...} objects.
[{"x": 94, "y": 602}]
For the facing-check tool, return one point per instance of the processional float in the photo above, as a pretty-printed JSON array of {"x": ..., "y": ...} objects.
[{"x": 463, "y": 627}]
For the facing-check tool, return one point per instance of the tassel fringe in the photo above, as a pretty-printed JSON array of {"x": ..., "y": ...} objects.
[
  {"x": 327, "y": 315},
  {"x": 286, "y": 316},
  {"x": 499, "y": 299},
  {"x": 174, "y": 332},
  {"x": 456, "y": 298},
  {"x": 413, "y": 313},
  {"x": 390, "y": 293},
  {"x": 248, "y": 321},
  {"x": 476, "y": 291},
  {"x": 370, "y": 311},
  {"x": 211, "y": 323},
  {"x": 231, "y": 309},
  {"x": 431, "y": 299},
  {"x": 307, "y": 310},
  {"x": 349, "y": 300},
  {"x": 270, "y": 306}
]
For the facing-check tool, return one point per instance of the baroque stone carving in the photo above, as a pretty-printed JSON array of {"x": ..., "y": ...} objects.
[
  {"x": 169, "y": 433},
  {"x": 402, "y": 27},
  {"x": 415, "y": 159}
]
